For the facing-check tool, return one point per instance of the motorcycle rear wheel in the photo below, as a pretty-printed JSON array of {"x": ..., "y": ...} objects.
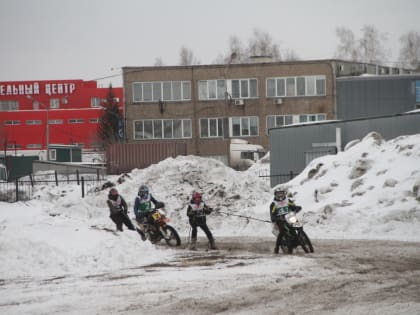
[
  {"x": 173, "y": 238},
  {"x": 305, "y": 242}
]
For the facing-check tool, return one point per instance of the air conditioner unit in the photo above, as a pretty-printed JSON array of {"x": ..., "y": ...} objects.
[
  {"x": 278, "y": 101},
  {"x": 239, "y": 102}
]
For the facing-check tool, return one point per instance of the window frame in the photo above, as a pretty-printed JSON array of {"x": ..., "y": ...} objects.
[{"x": 155, "y": 91}]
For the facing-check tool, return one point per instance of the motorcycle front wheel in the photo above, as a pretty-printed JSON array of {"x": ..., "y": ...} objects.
[
  {"x": 305, "y": 242},
  {"x": 172, "y": 238}
]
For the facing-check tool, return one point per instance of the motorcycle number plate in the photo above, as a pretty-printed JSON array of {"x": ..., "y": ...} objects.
[{"x": 156, "y": 215}]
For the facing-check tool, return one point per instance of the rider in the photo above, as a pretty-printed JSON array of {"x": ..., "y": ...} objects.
[
  {"x": 280, "y": 206},
  {"x": 143, "y": 204},
  {"x": 196, "y": 212},
  {"x": 118, "y": 210}
]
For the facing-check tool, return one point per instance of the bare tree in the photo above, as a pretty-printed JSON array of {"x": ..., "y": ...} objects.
[
  {"x": 410, "y": 50},
  {"x": 371, "y": 45},
  {"x": 158, "y": 62},
  {"x": 261, "y": 44},
  {"x": 290, "y": 55},
  {"x": 347, "y": 48},
  {"x": 186, "y": 57}
]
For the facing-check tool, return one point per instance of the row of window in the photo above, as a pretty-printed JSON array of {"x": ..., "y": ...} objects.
[
  {"x": 6, "y": 106},
  {"x": 246, "y": 126},
  {"x": 161, "y": 91},
  {"x": 236, "y": 88},
  {"x": 51, "y": 121}
]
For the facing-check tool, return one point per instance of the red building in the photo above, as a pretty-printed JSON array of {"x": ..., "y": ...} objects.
[{"x": 72, "y": 108}]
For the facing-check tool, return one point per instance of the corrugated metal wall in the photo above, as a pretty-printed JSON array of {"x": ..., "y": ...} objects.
[
  {"x": 123, "y": 157},
  {"x": 375, "y": 96},
  {"x": 290, "y": 145}
]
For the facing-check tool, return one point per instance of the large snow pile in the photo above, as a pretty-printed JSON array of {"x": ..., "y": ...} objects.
[{"x": 371, "y": 190}]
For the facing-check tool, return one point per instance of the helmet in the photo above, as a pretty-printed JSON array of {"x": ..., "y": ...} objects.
[
  {"x": 113, "y": 194},
  {"x": 143, "y": 191},
  {"x": 280, "y": 193},
  {"x": 196, "y": 197}
]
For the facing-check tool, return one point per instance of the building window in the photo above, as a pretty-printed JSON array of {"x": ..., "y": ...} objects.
[
  {"x": 76, "y": 121},
  {"x": 6, "y": 106},
  {"x": 211, "y": 127},
  {"x": 13, "y": 146},
  {"x": 284, "y": 120},
  {"x": 54, "y": 103},
  {"x": 95, "y": 102},
  {"x": 55, "y": 122},
  {"x": 12, "y": 122},
  {"x": 244, "y": 88},
  {"x": 243, "y": 126},
  {"x": 34, "y": 146},
  {"x": 211, "y": 90},
  {"x": 162, "y": 129},
  {"x": 157, "y": 91},
  {"x": 33, "y": 122},
  {"x": 296, "y": 86}
]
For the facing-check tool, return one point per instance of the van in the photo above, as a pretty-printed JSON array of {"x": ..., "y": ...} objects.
[{"x": 243, "y": 154}]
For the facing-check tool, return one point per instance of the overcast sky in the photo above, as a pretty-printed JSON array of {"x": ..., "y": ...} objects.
[{"x": 91, "y": 39}]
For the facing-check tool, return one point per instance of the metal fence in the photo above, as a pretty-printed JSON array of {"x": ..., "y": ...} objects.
[
  {"x": 23, "y": 189},
  {"x": 276, "y": 178}
]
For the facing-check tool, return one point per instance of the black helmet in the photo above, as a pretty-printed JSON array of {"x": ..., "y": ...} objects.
[
  {"x": 143, "y": 191},
  {"x": 280, "y": 194},
  {"x": 113, "y": 194}
]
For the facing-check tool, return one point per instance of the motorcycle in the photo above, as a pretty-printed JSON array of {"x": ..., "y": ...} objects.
[
  {"x": 293, "y": 235},
  {"x": 156, "y": 228}
]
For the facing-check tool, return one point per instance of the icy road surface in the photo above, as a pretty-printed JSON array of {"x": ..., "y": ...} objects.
[{"x": 242, "y": 277}]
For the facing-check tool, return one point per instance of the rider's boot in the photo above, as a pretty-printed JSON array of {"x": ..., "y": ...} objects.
[
  {"x": 143, "y": 237},
  {"x": 212, "y": 244},
  {"x": 193, "y": 244}
]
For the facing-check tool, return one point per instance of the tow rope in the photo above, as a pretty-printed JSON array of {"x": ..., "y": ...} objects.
[{"x": 241, "y": 216}]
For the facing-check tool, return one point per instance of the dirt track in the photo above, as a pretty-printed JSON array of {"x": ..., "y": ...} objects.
[
  {"x": 242, "y": 277},
  {"x": 359, "y": 277}
]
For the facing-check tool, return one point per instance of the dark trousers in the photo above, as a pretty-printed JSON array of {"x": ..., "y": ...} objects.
[
  {"x": 200, "y": 222},
  {"x": 121, "y": 218},
  {"x": 280, "y": 224}
]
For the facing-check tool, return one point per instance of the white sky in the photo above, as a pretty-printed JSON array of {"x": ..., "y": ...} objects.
[{"x": 79, "y": 39}]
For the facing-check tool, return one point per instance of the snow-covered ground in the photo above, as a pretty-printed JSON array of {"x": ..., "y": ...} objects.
[{"x": 371, "y": 191}]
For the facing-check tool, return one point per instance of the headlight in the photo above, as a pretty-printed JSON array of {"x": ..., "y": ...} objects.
[{"x": 292, "y": 219}]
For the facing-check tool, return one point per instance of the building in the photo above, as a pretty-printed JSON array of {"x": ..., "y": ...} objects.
[
  {"x": 205, "y": 106},
  {"x": 71, "y": 107},
  {"x": 293, "y": 147},
  {"x": 370, "y": 96}
]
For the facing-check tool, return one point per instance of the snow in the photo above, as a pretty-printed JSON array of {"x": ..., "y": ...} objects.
[{"x": 370, "y": 191}]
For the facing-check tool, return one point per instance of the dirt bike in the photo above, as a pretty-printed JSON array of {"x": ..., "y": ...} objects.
[
  {"x": 156, "y": 228},
  {"x": 293, "y": 235}
]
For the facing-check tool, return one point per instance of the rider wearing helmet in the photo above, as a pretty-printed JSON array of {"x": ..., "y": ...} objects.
[
  {"x": 196, "y": 212},
  {"x": 143, "y": 204},
  {"x": 280, "y": 206},
  {"x": 118, "y": 210}
]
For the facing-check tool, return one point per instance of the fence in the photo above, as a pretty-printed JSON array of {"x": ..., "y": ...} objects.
[
  {"x": 23, "y": 189},
  {"x": 276, "y": 178}
]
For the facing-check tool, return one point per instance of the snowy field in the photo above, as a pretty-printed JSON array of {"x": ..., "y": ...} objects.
[{"x": 58, "y": 255}]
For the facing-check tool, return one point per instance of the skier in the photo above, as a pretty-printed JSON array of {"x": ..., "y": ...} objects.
[
  {"x": 118, "y": 210},
  {"x": 196, "y": 212}
]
